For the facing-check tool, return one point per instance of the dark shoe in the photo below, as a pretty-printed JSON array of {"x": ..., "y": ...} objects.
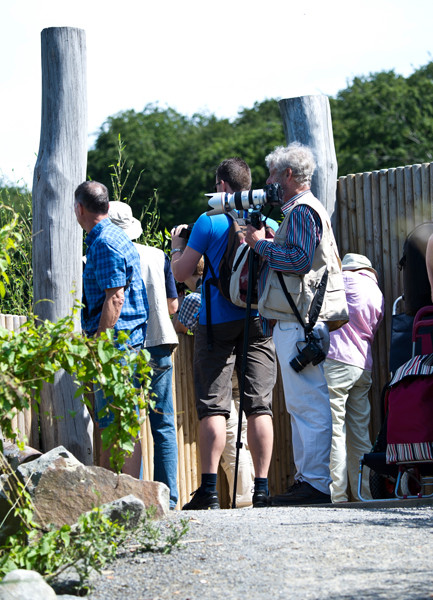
[
  {"x": 261, "y": 499},
  {"x": 202, "y": 501},
  {"x": 301, "y": 493}
]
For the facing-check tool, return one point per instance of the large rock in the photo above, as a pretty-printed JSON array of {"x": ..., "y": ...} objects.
[
  {"x": 25, "y": 585},
  {"x": 62, "y": 488}
]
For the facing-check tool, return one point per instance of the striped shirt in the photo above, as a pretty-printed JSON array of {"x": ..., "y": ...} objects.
[{"x": 296, "y": 256}]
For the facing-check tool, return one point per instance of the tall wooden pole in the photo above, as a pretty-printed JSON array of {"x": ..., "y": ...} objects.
[
  {"x": 307, "y": 119},
  {"x": 57, "y": 237}
]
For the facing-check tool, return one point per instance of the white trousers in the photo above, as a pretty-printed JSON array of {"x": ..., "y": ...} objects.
[
  {"x": 307, "y": 402},
  {"x": 348, "y": 391}
]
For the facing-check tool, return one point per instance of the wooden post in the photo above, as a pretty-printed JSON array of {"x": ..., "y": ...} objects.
[
  {"x": 307, "y": 119},
  {"x": 57, "y": 237}
]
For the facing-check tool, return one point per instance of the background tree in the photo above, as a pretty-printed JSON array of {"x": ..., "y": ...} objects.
[
  {"x": 178, "y": 155},
  {"x": 383, "y": 121}
]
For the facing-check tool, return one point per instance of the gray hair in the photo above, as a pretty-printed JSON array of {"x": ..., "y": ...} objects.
[{"x": 295, "y": 156}]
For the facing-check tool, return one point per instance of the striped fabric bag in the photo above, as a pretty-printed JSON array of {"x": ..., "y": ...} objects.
[{"x": 410, "y": 412}]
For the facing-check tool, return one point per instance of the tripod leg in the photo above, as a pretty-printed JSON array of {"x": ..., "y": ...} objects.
[{"x": 252, "y": 262}]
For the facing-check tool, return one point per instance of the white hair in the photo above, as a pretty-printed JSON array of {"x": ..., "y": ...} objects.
[{"x": 295, "y": 156}]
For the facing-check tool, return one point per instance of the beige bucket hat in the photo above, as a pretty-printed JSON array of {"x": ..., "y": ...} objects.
[
  {"x": 356, "y": 262},
  {"x": 120, "y": 214}
]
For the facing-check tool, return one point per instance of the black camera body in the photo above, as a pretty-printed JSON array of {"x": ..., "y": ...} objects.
[
  {"x": 311, "y": 353},
  {"x": 185, "y": 233},
  {"x": 256, "y": 218}
]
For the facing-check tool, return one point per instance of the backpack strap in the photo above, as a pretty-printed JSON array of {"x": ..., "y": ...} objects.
[{"x": 210, "y": 281}]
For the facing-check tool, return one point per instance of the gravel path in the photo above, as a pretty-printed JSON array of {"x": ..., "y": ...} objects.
[{"x": 296, "y": 553}]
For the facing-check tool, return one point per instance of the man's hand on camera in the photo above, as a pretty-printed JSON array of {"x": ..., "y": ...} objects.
[
  {"x": 253, "y": 235},
  {"x": 177, "y": 242}
]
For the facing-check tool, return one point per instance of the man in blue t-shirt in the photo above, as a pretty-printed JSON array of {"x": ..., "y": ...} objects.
[
  {"x": 114, "y": 295},
  {"x": 214, "y": 364}
]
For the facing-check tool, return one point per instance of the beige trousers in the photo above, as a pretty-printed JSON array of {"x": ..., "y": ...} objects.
[{"x": 348, "y": 392}]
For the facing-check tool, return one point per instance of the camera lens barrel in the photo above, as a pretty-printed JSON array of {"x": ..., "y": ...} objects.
[{"x": 221, "y": 202}]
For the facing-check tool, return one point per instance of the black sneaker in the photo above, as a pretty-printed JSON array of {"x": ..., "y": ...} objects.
[
  {"x": 301, "y": 493},
  {"x": 202, "y": 501},
  {"x": 261, "y": 499}
]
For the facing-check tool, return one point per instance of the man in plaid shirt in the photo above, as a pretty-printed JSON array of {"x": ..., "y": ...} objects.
[{"x": 114, "y": 295}]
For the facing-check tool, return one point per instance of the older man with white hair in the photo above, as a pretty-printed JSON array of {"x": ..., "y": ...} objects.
[{"x": 301, "y": 294}]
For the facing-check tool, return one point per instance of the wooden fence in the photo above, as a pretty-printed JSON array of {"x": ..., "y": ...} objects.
[
  {"x": 24, "y": 422},
  {"x": 375, "y": 212}
]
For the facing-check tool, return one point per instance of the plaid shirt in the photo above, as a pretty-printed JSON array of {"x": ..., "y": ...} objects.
[
  {"x": 188, "y": 314},
  {"x": 112, "y": 261}
]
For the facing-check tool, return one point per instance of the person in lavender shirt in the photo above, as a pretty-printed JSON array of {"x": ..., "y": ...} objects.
[{"x": 348, "y": 373}]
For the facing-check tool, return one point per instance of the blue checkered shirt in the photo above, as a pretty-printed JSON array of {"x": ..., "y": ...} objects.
[
  {"x": 188, "y": 313},
  {"x": 112, "y": 261}
]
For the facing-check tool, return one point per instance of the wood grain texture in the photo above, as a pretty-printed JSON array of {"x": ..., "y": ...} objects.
[
  {"x": 307, "y": 119},
  {"x": 57, "y": 237}
]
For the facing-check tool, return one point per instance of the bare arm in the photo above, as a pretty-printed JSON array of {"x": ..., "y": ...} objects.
[
  {"x": 111, "y": 309},
  {"x": 183, "y": 264},
  {"x": 178, "y": 326},
  {"x": 429, "y": 262},
  {"x": 173, "y": 305}
]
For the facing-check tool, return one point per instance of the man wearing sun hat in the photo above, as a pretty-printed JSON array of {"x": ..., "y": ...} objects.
[
  {"x": 160, "y": 342},
  {"x": 348, "y": 373}
]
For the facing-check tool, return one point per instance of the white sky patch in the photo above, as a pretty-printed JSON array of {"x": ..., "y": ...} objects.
[{"x": 200, "y": 56}]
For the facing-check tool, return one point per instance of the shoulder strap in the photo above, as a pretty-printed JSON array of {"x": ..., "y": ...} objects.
[
  {"x": 316, "y": 304},
  {"x": 289, "y": 298},
  {"x": 210, "y": 281}
]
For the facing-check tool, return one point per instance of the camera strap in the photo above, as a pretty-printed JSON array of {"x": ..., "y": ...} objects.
[{"x": 316, "y": 304}]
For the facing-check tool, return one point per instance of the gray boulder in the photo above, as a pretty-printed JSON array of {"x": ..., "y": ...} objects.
[
  {"x": 25, "y": 585},
  {"x": 62, "y": 488}
]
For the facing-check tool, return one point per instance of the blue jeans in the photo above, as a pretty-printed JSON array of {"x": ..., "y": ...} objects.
[
  {"x": 100, "y": 401},
  {"x": 162, "y": 420}
]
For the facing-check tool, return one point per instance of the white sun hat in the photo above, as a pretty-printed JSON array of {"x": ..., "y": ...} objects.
[
  {"x": 120, "y": 214},
  {"x": 356, "y": 262}
]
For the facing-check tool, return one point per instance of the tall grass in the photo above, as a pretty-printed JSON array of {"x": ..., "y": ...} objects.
[
  {"x": 149, "y": 217},
  {"x": 18, "y": 299}
]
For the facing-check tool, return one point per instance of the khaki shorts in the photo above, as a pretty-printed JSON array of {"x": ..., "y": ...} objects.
[{"x": 213, "y": 369}]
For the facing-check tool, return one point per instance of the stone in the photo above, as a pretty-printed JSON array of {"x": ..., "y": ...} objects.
[
  {"x": 16, "y": 456},
  {"x": 25, "y": 585},
  {"x": 129, "y": 505},
  {"x": 62, "y": 488},
  {"x": 57, "y": 458}
]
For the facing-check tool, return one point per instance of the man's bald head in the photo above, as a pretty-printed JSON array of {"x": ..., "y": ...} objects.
[{"x": 93, "y": 196}]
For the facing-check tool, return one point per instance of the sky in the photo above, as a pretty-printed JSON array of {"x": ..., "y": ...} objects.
[{"x": 199, "y": 56}]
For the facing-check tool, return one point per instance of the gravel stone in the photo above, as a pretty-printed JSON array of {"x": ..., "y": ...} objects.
[{"x": 297, "y": 553}]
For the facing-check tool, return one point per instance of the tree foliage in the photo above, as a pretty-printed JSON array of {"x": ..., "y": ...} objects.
[
  {"x": 16, "y": 217},
  {"x": 380, "y": 121},
  {"x": 177, "y": 156},
  {"x": 383, "y": 121}
]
